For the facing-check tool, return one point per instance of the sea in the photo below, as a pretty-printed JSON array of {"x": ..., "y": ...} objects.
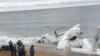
[{"x": 27, "y": 25}]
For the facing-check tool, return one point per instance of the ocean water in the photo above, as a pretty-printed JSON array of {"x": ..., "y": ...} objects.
[{"x": 30, "y": 24}]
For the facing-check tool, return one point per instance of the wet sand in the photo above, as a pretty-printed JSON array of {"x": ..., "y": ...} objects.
[
  {"x": 38, "y": 53},
  {"x": 45, "y": 50},
  {"x": 40, "y": 50}
]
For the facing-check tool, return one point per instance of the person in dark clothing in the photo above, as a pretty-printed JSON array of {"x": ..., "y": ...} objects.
[
  {"x": 19, "y": 43},
  {"x": 32, "y": 52},
  {"x": 15, "y": 50},
  {"x": 22, "y": 51},
  {"x": 23, "y": 48},
  {"x": 11, "y": 47},
  {"x": 10, "y": 43}
]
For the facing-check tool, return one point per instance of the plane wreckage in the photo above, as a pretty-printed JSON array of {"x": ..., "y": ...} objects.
[{"x": 72, "y": 39}]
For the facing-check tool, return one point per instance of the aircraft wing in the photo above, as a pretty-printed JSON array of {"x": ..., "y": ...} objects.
[
  {"x": 83, "y": 51},
  {"x": 97, "y": 52}
]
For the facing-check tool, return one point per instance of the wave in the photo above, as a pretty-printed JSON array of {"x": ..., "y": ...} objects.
[{"x": 26, "y": 40}]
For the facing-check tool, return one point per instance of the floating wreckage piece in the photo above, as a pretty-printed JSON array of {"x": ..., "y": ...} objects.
[{"x": 46, "y": 38}]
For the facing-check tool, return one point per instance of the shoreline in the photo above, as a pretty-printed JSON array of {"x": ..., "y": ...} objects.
[
  {"x": 37, "y": 53},
  {"x": 40, "y": 50},
  {"x": 46, "y": 48}
]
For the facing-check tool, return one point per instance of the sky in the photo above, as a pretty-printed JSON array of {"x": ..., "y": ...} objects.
[{"x": 40, "y": 0}]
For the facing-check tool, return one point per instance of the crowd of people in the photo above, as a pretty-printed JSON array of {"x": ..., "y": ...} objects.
[{"x": 20, "y": 48}]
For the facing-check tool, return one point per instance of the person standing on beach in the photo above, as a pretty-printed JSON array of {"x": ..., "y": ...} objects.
[
  {"x": 23, "y": 48},
  {"x": 15, "y": 50},
  {"x": 22, "y": 51},
  {"x": 19, "y": 43},
  {"x": 19, "y": 51},
  {"x": 11, "y": 47},
  {"x": 32, "y": 52}
]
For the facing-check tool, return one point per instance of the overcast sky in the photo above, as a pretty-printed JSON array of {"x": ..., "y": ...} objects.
[{"x": 40, "y": 0}]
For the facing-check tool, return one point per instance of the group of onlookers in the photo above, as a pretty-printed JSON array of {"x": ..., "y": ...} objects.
[{"x": 20, "y": 48}]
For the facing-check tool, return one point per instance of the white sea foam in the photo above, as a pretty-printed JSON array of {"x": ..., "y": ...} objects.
[{"x": 26, "y": 40}]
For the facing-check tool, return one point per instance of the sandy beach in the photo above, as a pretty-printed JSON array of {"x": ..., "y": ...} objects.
[
  {"x": 37, "y": 53},
  {"x": 40, "y": 50},
  {"x": 41, "y": 53}
]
